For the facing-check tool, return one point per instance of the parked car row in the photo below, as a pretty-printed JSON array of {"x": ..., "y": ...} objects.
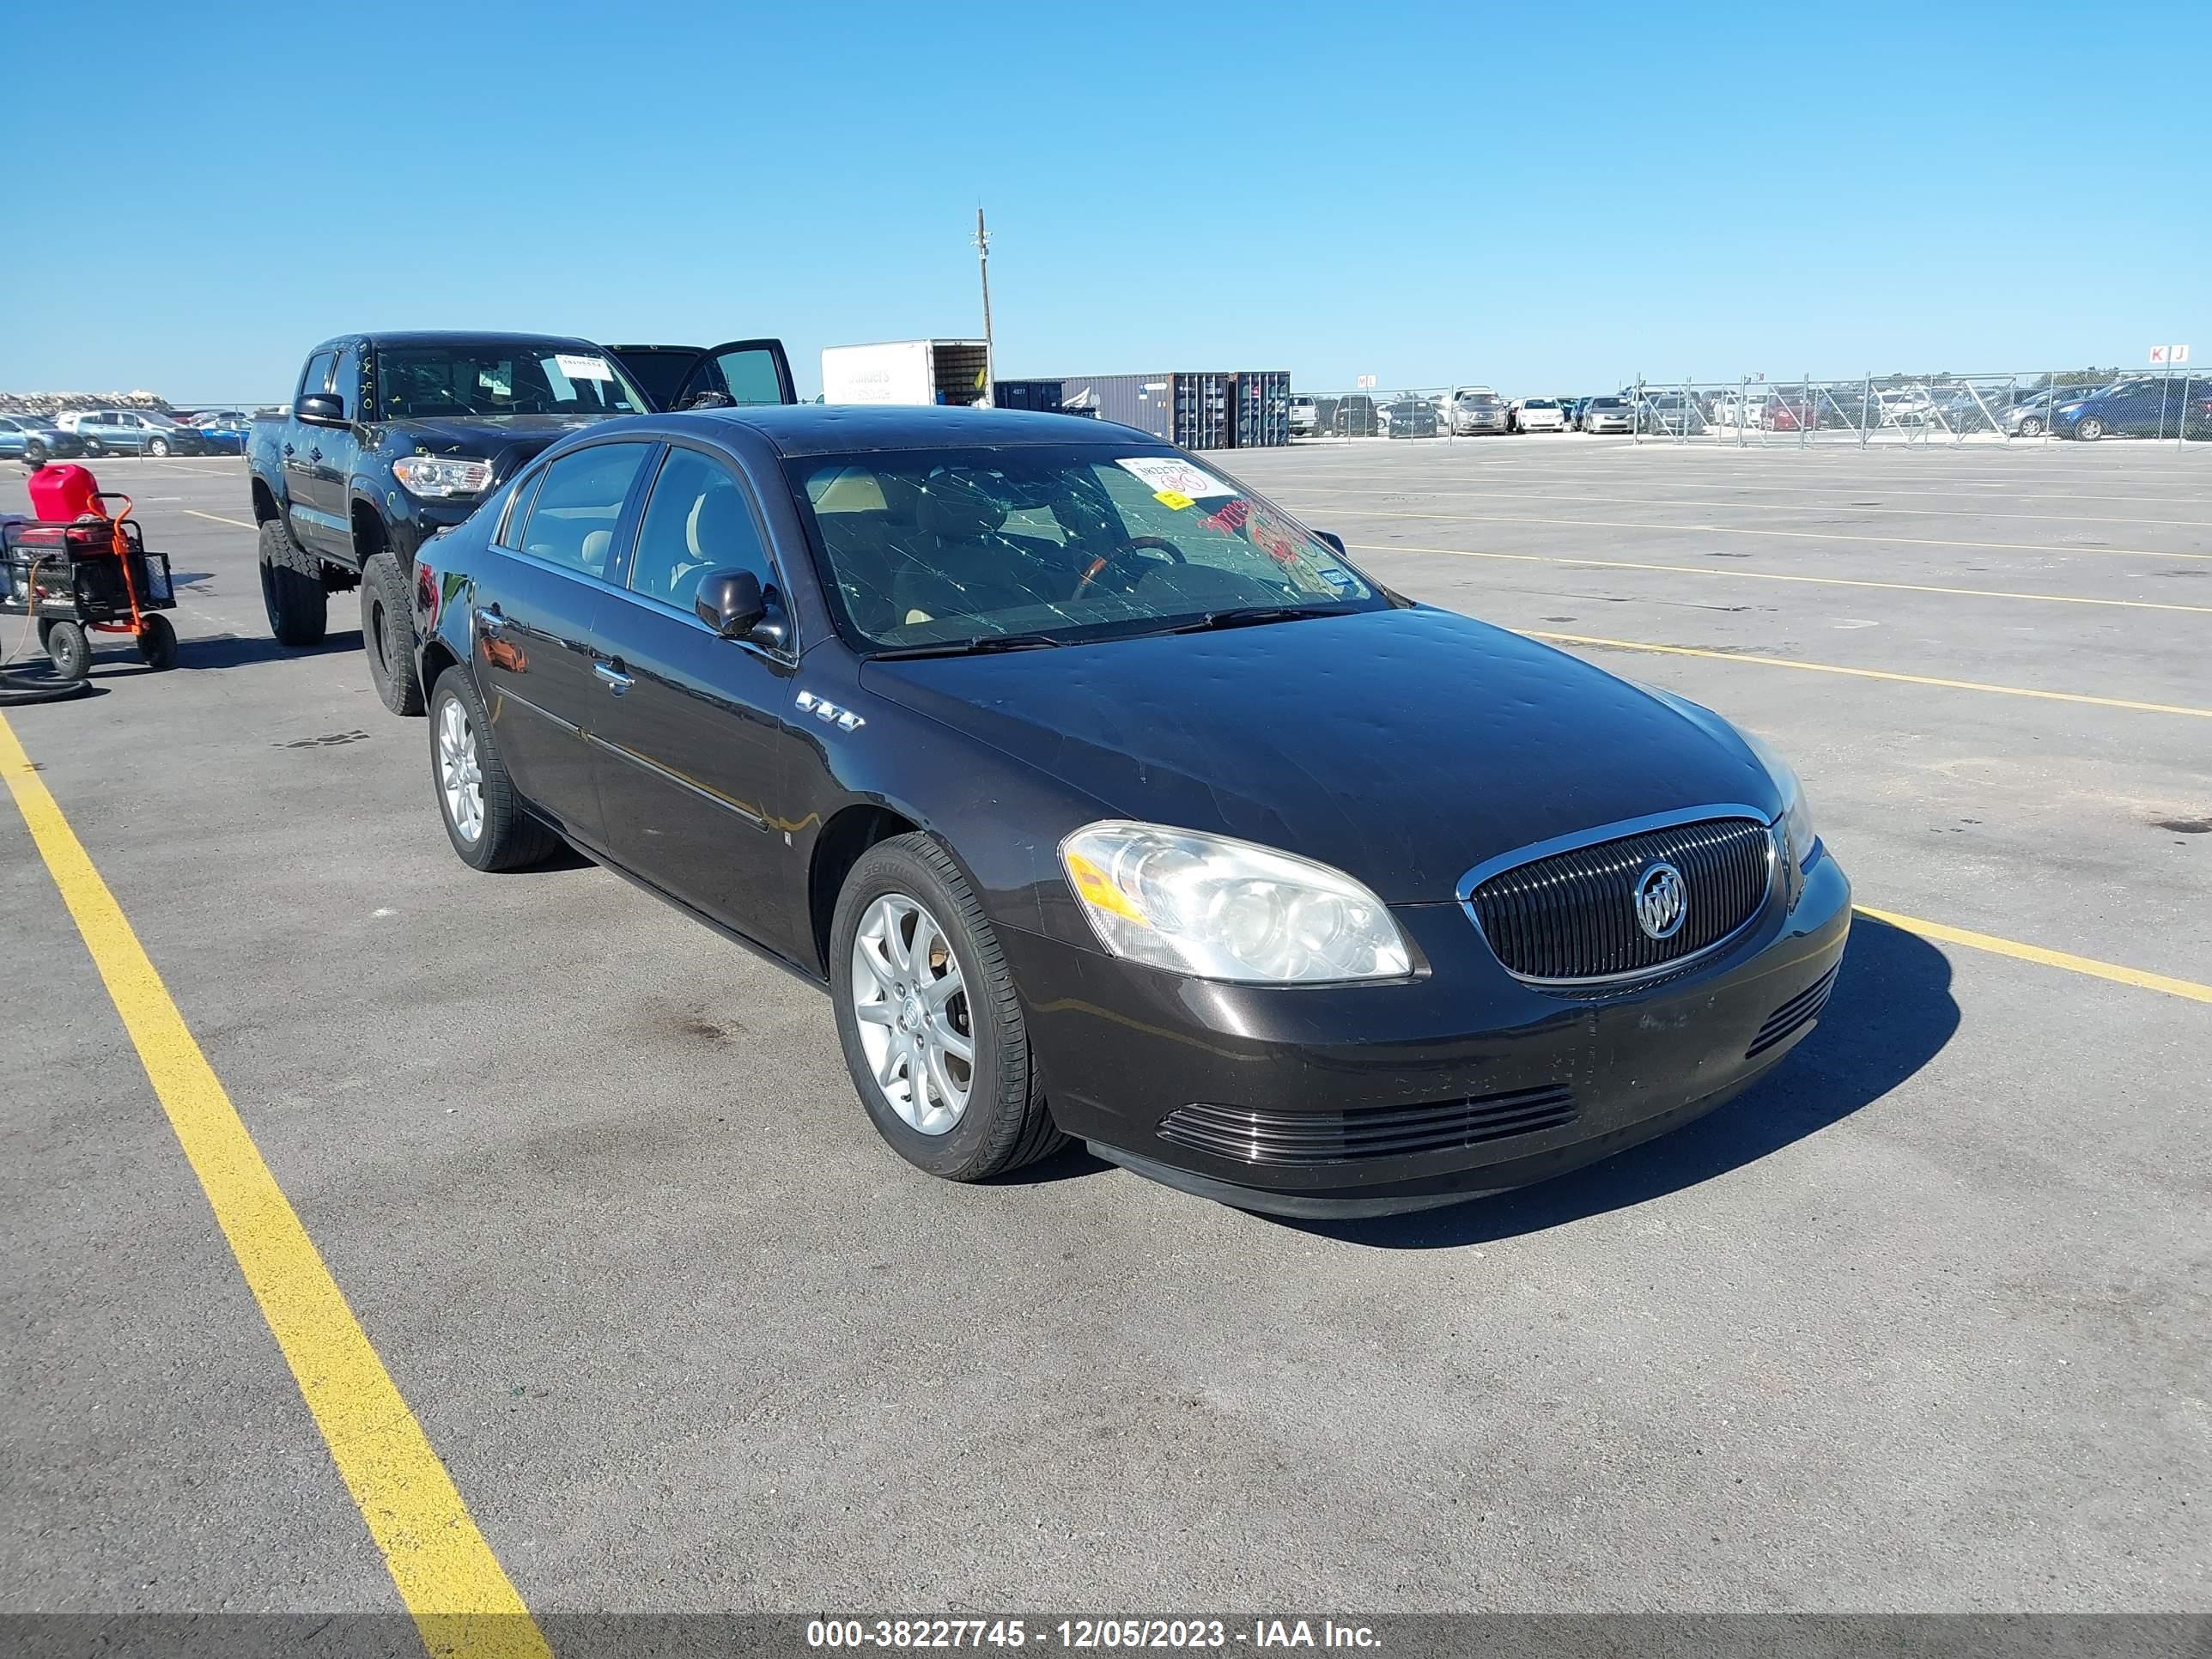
[{"x": 110, "y": 431}]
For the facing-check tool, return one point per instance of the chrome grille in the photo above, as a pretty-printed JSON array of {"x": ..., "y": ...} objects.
[
  {"x": 1570, "y": 917},
  {"x": 1255, "y": 1136}
]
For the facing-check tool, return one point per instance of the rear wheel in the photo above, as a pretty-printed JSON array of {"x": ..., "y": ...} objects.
[
  {"x": 93, "y": 447},
  {"x": 69, "y": 650},
  {"x": 2088, "y": 428},
  {"x": 484, "y": 816},
  {"x": 2031, "y": 428},
  {"x": 387, "y": 634},
  {"x": 34, "y": 453},
  {"x": 928, "y": 1018},
  {"x": 292, "y": 588},
  {"x": 157, "y": 642}
]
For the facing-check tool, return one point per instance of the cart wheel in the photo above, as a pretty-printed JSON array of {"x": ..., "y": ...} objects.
[
  {"x": 157, "y": 642},
  {"x": 69, "y": 649}
]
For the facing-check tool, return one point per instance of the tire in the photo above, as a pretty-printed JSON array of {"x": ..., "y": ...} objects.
[
  {"x": 94, "y": 449},
  {"x": 68, "y": 648},
  {"x": 157, "y": 446},
  {"x": 157, "y": 642},
  {"x": 387, "y": 634},
  {"x": 292, "y": 588},
  {"x": 34, "y": 454},
  {"x": 2031, "y": 428},
  {"x": 1003, "y": 1122},
  {"x": 2088, "y": 428},
  {"x": 505, "y": 837}
]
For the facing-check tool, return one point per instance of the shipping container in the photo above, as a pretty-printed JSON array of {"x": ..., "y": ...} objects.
[
  {"x": 905, "y": 372},
  {"x": 1040, "y": 395},
  {"x": 1196, "y": 409}
]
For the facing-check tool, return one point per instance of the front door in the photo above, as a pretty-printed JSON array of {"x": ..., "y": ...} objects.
[
  {"x": 690, "y": 734},
  {"x": 536, "y": 609},
  {"x": 740, "y": 372}
]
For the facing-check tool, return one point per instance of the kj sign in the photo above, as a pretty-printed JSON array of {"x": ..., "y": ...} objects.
[{"x": 2169, "y": 356}]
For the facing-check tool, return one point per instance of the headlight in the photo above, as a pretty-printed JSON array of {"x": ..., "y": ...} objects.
[
  {"x": 1796, "y": 817},
  {"x": 441, "y": 475},
  {"x": 1227, "y": 910}
]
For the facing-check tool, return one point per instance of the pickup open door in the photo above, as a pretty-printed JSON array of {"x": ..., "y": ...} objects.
[{"x": 737, "y": 372}]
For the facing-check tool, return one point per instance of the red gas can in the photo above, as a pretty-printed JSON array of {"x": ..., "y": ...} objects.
[{"x": 59, "y": 494}]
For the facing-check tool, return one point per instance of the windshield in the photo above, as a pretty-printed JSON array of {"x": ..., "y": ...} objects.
[
  {"x": 1538, "y": 403},
  {"x": 501, "y": 377},
  {"x": 1608, "y": 402},
  {"x": 1478, "y": 399},
  {"x": 154, "y": 417},
  {"x": 927, "y": 547}
]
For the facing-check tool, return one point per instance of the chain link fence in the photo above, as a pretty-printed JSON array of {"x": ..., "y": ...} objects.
[{"x": 2011, "y": 407}]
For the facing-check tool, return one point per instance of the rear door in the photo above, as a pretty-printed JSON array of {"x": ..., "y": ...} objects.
[
  {"x": 690, "y": 730},
  {"x": 544, "y": 585},
  {"x": 745, "y": 372}
]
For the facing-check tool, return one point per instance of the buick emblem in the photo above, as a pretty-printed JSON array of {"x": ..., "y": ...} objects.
[{"x": 1661, "y": 901}]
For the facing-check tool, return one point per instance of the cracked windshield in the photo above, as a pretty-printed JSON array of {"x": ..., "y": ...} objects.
[{"x": 950, "y": 548}]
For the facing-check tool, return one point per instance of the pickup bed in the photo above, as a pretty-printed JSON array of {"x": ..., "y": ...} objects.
[{"x": 391, "y": 438}]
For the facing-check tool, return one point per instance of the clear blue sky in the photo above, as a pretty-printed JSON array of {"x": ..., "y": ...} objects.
[{"x": 1549, "y": 197}]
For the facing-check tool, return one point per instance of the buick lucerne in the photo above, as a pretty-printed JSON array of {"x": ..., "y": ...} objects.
[{"x": 1111, "y": 803}]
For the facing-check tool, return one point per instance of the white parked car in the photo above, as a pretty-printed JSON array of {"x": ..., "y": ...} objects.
[
  {"x": 1305, "y": 415},
  {"x": 1538, "y": 414}
]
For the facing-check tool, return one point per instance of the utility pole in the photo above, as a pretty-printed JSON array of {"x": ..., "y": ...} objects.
[{"x": 983, "y": 270}]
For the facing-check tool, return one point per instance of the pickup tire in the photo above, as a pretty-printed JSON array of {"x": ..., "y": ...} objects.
[
  {"x": 387, "y": 634},
  {"x": 292, "y": 588}
]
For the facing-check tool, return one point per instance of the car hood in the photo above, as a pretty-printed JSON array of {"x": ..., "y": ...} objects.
[
  {"x": 1402, "y": 746},
  {"x": 478, "y": 434}
]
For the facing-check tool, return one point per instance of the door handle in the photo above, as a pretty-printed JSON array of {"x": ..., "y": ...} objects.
[{"x": 617, "y": 681}]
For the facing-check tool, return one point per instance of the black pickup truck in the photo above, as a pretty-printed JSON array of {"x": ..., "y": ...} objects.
[{"x": 391, "y": 438}]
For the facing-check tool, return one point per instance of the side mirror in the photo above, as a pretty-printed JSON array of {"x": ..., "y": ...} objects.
[
  {"x": 730, "y": 602},
  {"x": 320, "y": 409},
  {"x": 1333, "y": 539}
]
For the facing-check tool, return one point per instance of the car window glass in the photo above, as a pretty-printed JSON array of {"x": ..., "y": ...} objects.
[
  {"x": 316, "y": 373},
  {"x": 347, "y": 386},
  {"x": 517, "y": 510},
  {"x": 749, "y": 378},
  {"x": 573, "y": 521},
  {"x": 696, "y": 520}
]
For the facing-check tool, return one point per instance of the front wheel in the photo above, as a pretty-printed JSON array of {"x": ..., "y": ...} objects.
[
  {"x": 157, "y": 642},
  {"x": 2088, "y": 428},
  {"x": 484, "y": 816},
  {"x": 387, "y": 634},
  {"x": 157, "y": 446},
  {"x": 34, "y": 454},
  {"x": 928, "y": 1018},
  {"x": 69, "y": 650}
]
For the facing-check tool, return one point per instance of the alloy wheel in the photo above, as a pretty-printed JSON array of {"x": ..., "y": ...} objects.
[
  {"x": 910, "y": 1001},
  {"x": 460, "y": 774}
]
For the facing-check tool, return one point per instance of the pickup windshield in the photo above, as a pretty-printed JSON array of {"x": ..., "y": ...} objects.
[
  {"x": 1059, "y": 544},
  {"x": 501, "y": 377}
]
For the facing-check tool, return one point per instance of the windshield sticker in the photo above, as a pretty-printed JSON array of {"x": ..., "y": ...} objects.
[
  {"x": 577, "y": 367},
  {"x": 1164, "y": 472},
  {"x": 1173, "y": 498},
  {"x": 1228, "y": 518},
  {"x": 1343, "y": 580}
]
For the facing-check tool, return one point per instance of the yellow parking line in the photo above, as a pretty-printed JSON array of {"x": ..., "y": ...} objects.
[
  {"x": 1738, "y": 530},
  {"x": 461, "y": 1600},
  {"x": 1776, "y": 576},
  {"x": 1869, "y": 673},
  {"x": 217, "y": 518},
  {"x": 2005, "y": 947}
]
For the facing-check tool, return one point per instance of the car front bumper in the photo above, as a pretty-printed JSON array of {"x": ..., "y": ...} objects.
[
  {"x": 1608, "y": 423},
  {"x": 1142, "y": 1063}
]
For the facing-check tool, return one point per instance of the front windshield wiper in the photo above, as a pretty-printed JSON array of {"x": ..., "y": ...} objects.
[
  {"x": 1253, "y": 615},
  {"x": 976, "y": 648}
]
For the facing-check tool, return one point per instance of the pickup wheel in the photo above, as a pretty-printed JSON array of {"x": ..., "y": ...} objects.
[
  {"x": 292, "y": 588},
  {"x": 928, "y": 1018},
  {"x": 387, "y": 634},
  {"x": 483, "y": 817}
]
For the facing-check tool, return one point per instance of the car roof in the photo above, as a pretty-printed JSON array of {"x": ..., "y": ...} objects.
[
  {"x": 430, "y": 336},
  {"x": 830, "y": 428}
]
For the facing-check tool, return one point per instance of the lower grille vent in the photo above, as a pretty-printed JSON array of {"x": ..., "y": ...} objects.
[
  {"x": 1799, "y": 1012},
  {"x": 1363, "y": 1131}
]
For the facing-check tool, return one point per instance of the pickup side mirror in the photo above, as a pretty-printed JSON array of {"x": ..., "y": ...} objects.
[
  {"x": 1333, "y": 539},
  {"x": 731, "y": 603},
  {"x": 320, "y": 409}
]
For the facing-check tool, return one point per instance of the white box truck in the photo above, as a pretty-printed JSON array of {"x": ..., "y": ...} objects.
[{"x": 905, "y": 372}]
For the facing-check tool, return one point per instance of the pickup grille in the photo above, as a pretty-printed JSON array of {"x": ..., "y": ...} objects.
[
  {"x": 1255, "y": 1136},
  {"x": 1570, "y": 918}
]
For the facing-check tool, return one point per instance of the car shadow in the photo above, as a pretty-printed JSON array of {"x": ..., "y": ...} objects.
[
  {"x": 237, "y": 650},
  {"x": 1891, "y": 1013}
]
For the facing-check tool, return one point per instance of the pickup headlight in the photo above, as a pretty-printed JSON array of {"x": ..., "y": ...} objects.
[
  {"x": 1796, "y": 817},
  {"x": 1226, "y": 909},
  {"x": 442, "y": 475}
]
